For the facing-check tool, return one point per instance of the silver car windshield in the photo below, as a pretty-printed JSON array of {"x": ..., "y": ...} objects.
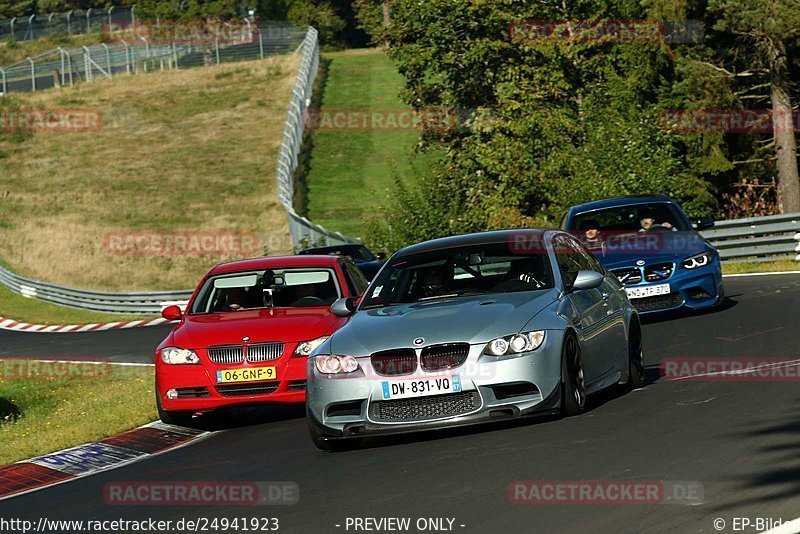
[{"x": 459, "y": 272}]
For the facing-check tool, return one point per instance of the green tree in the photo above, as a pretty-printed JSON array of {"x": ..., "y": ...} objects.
[
  {"x": 551, "y": 121},
  {"x": 16, "y": 8}
]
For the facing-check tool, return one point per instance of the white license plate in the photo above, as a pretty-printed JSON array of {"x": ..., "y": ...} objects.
[
  {"x": 423, "y": 387},
  {"x": 647, "y": 291}
]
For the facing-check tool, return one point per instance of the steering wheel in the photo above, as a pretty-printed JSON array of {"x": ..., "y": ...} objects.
[{"x": 308, "y": 301}]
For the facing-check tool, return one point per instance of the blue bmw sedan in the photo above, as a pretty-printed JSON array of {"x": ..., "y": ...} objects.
[{"x": 654, "y": 250}]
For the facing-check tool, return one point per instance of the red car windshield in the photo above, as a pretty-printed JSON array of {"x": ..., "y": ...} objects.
[{"x": 273, "y": 288}]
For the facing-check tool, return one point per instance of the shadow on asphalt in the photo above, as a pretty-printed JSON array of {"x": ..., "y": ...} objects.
[
  {"x": 259, "y": 415},
  {"x": 683, "y": 313},
  {"x": 247, "y": 416},
  {"x": 782, "y": 480}
]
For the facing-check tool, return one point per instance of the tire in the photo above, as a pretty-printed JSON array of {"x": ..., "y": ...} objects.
[
  {"x": 573, "y": 387},
  {"x": 332, "y": 445},
  {"x": 635, "y": 357},
  {"x": 173, "y": 418}
]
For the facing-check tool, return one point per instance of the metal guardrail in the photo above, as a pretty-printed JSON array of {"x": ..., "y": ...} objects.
[
  {"x": 757, "y": 238},
  {"x": 304, "y": 232},
  {"x": 146, "y": 302}
]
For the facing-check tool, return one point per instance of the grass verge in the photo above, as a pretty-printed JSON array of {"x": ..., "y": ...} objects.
[
  {"x": 40, "y": 414},
  {"x": 178, "y": 151},
  {"x": 358, "y": 165},
  {"x": 742, "y": 267}
]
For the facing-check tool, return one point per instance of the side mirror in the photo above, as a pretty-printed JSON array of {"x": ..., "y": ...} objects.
[
  {"x": 703, "y": 223},
  {"x": 172, "y": 313},
  {"x": 588, "y": 280},
  {"x": 344, "y": 307},
  {"x": 381, "y": 256}
]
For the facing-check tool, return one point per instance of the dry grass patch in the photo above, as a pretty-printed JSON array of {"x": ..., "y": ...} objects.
[{"x": 189, "y": 150}]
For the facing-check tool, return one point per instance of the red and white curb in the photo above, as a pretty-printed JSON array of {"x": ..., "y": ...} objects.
[
  {"x": 16, "y": 326},
  {"x": 84, "y": 460}
]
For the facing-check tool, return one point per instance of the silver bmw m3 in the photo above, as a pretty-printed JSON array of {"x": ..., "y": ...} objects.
[{"x": 472, "y": 329}]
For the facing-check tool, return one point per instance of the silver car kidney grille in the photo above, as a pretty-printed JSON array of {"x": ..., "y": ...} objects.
[
  {"x": 258, "y": 352},
  {"x": 226, "y": 354},
  {"x": 263, "y": 352}
]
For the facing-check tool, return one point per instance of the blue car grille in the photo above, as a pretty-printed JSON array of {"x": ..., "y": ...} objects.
[
  {"x": 629, "y": 275},
  {"x": 659, "y": 302},
  {"x": 657, "y": 272}
]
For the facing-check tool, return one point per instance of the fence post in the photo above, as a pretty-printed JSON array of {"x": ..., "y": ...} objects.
[
  {"x": 3, "y": 73},
  {"x": 13, "y": 20},
  {"x": 33, "y": 74},
  {"x": 260, "y": 42},
  {"x": 127, "y": 58},
  {"x": 87, "y": 65},
  {"x": 50, "y": 24},
  {"x": 29, "y": 33},
  {"x": 110, "y": 23},
  {"x": 89, "y": 20},
  {"x": 133, "y": 15},
  {"x": 108, "y": 60},
  {"x": 69, "y": 22},
  {"x": 216, "y": 47}
]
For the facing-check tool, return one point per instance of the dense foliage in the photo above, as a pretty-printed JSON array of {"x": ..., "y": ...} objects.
[{"x": 558, "y": 121}]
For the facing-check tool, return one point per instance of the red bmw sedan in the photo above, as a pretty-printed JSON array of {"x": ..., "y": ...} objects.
[{"x": 247, "y": 333}]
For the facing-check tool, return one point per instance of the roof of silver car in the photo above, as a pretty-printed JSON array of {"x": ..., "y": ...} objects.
[{"x": 481, "y": 238}]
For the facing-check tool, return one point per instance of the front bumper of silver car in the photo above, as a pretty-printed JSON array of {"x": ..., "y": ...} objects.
[{"x": 492, "y": 388}]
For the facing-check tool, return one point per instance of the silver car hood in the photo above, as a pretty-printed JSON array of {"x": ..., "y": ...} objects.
[{"x": 477, "y": 319}]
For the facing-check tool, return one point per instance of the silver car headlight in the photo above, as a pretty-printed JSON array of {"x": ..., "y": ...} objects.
[
  {"x": 305, "y": 348},
  {"x": 698, "y": 260},
  {"x": 331, "y": 364},
  {"x": 176, "y": 356},
  {"x": 523, "y": 342}
]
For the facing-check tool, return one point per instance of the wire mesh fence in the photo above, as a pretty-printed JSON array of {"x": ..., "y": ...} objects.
[
  {"x": 76, "y": 22},
  {"x": 68, "y": 66},
  {"x": 304, "y": 233}
]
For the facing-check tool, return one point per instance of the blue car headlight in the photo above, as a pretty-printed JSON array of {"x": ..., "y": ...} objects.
[
  {"x": 698, "y": 260},
  {"x": 523, "y": 342}
]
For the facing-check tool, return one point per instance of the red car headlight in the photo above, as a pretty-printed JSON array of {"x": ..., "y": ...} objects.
[
  {"x": 305, "y": 348},
  {"x": 177, "y": 356}
]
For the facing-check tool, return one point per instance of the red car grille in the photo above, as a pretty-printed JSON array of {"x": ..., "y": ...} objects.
[
  {"x": 394, "y": 362},
  {"x": 439, "y": 357},
  {"x": 245, "y": 390},
  {"x": 257, "y": 352}
]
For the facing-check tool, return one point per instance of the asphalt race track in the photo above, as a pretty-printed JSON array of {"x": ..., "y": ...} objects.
[{"x": 740, "y": 440}]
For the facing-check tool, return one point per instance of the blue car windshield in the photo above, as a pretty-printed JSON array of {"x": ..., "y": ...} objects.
[
  {"x": 638, "y": 218},
  {"x": 458, "y": 272}
]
